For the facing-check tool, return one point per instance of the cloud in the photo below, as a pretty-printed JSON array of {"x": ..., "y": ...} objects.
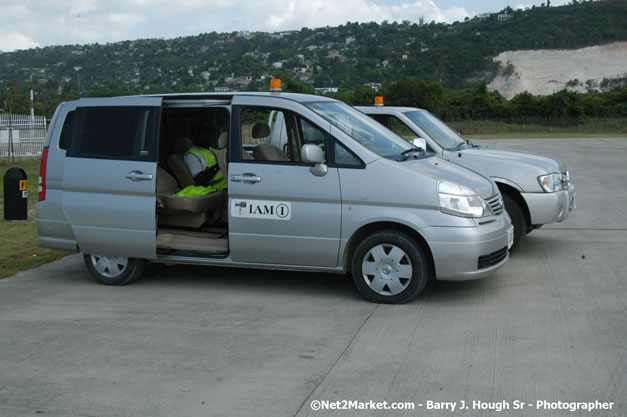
[
  {"x": 83, "y": 7},
  {"x": 276, "y": 15},
  {"x": 12, "y": 41},
  {"x": 87, "y": 21},
  {"x": 125, "y": 19}
]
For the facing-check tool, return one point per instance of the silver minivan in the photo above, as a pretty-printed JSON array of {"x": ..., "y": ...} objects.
[
  {"x": 343, "y": 194},
  {"x": 536, "y": 189}
]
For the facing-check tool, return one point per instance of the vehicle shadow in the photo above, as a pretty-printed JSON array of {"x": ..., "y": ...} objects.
[
  {"x": 244, "y": 279},
  {"x": 340, "y": 287}
]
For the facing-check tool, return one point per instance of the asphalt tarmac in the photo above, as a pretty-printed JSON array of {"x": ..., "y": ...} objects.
[{"x": 544, "y": 336}]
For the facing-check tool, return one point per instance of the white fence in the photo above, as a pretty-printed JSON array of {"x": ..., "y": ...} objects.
[{"x": 21, "y": 135}]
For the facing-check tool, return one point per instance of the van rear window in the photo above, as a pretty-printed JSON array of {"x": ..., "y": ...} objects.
[
  {"x": 66, "y": 131},
  {"x": 127, "y": 133}
]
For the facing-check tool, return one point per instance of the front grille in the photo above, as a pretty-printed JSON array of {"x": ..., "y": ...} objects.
[
  {"x": 493, "y": 258},
  {"x": 565, "y": 180},
  {"x": 496, "y": 204}
]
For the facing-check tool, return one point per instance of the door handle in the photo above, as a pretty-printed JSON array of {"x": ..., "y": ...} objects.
[
  {"x": 138, "y": 176},
  {"x": 247, "y": 177}
]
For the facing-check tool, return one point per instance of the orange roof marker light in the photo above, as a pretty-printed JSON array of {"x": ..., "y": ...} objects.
[
  {"x": 275, "y": 85},
  {"x": 378, "y": 101}
]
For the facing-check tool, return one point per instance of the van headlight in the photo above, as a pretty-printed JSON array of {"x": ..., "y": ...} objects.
[
  {"x": 461, "y": 201},
  {"x": 554, "y": 182}
]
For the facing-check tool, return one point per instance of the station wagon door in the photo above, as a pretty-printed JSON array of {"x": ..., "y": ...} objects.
[
  {"x": 279, "y": 211},
  {"x": 109, "y": 180}
]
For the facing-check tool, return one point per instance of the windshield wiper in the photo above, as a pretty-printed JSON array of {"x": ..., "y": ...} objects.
[
  {"x": 472, "y": 145},
  {"x": 459, "y": 146}
]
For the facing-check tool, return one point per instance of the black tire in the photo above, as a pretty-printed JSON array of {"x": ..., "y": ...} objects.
[
  {"x": 519, "y": 221},
  {"x": 532, "y": 228},
  {"x": 398, "y": 266},
  {"x": 114, "y": 270}
]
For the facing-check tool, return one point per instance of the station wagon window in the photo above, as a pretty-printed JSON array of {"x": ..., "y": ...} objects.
[
  {"x": 401, "y": 128},
  {"x": 276, "y": 135},
  {"x": 397, "y": 126},
  {"x": 126, "y": 133},
  {"x": 436, "y": 129}
]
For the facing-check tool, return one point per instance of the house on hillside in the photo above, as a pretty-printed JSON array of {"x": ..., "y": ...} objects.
[{"x": 325, "y": 90}]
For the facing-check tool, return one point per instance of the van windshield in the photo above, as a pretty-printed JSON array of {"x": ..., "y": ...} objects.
[
  {"x": 436, "y": 129},
  {"x": 362, "y": 128}
]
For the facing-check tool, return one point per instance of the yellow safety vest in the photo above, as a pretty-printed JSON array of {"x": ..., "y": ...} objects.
[{"x": 208, "y": 159}]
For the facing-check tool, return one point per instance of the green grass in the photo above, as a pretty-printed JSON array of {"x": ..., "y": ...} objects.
[
  {"x": 18, "y": 246},
  {"x": 591, "y": 128},
  {"x": 543, "y": 135}
]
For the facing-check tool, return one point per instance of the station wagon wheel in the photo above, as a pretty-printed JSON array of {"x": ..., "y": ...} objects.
[
  {"x": 114, "y": 270},
  {"x": 518, "y": 218},
  {"x": 389, "y": 267}
]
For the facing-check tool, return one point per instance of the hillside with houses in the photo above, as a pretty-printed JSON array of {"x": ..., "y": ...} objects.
[{"x": 456, "y": 55}]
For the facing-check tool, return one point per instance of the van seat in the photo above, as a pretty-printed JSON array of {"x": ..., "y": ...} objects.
[
  {"x": 268, "y": 152},
  {"x": 177, "y": 165},
  {"x": 183, "y": 211}
]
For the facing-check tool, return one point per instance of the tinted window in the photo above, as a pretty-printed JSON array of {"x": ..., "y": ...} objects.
[
  {"x": 66, "y": 131},
  {"x": 401, "y": 128},
  {"x": 115, "y": 133}
]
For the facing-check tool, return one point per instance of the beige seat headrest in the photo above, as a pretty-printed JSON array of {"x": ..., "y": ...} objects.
[
  {"x": 182, "y": 145},
  {"x": 222, "y": 140},
  {"x": 261, "y": 130}
]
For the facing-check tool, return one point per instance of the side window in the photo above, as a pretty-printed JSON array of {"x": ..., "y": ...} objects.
[
  {"x": 345, "y": 158},
  {"x": 126, "y": 133},
  {"x": 311, "y": 134},
  {"x": 66, "y": 130},
  {"x": 276, "y": 135},
  {"x": 400, "y": 128},
  {"x": 381, "y": 118}
]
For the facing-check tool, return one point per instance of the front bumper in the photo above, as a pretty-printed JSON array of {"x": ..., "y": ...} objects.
[
  {"x": 466, "y": 253},
  {"x": 545, "y": 208}
]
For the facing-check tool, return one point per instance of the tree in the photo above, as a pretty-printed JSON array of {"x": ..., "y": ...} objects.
[
  {"x": 562, "y": 105},
  {"x": 524, "y": 104},
  {"x": 414, "y": 92},
  {"x": 290, "y": 84}
]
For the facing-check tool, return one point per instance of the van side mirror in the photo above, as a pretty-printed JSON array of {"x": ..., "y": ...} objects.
[
  {"x": 419, "y": 143},
  {"x": 312, "y": 154}
]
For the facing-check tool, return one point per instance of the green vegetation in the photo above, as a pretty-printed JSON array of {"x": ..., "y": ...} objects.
[
  {"x": 456, "y": 56},
  {"x": 530, "y": 128},
  {"x": 18, "y": 247},
  {"x": 564, "y": 109}
]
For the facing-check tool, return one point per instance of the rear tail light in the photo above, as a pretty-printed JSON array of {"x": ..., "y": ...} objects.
[{"x": 41, "y": 183}]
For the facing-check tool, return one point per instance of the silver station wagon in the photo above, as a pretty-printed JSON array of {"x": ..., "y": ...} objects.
[
  {"x": 342, "y": 194},
  {"x": 536, "y": 188}
]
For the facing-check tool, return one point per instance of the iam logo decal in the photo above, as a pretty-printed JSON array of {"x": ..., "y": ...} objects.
[{"x": 262, "y": 209}]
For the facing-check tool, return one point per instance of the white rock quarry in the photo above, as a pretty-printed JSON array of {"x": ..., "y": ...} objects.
[{"x": 545, "y": 71}]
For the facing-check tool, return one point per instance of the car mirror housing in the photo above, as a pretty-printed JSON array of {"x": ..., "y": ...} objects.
[{"x": 419, "y": 143}]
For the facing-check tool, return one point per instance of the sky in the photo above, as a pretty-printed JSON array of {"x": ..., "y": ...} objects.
[{"x": 37, "y": 23}]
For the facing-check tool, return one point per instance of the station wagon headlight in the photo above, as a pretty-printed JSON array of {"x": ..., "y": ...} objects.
[
  {"x": 461, "y": 201},
  {"x": 554, "y": 182}
]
